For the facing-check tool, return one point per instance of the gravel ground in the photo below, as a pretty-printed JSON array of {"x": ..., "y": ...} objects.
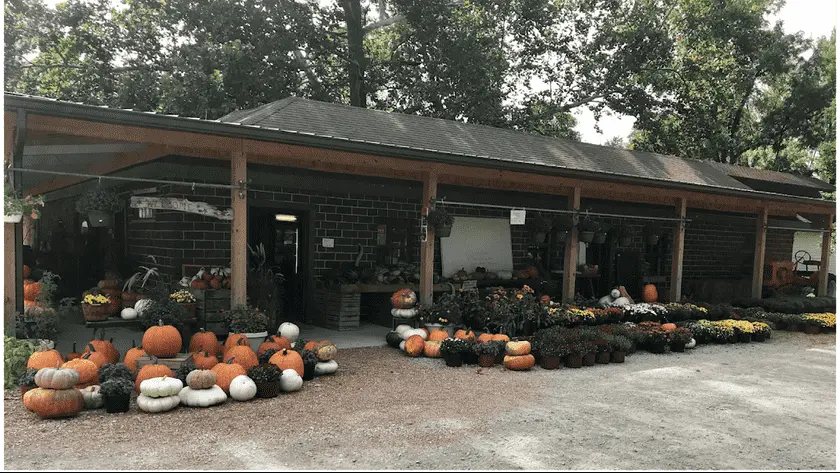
[{"x": 752, "y": 406}]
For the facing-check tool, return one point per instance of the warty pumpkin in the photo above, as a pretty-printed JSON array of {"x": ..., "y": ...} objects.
[
  {"x": 414, "y": 345},
  {"x": 243, "y": 355},
  {"x": 288, "y": 359},
  {"x": 325, "y": 350},
  {"x": 201, "y": 379},
  {"x": 88, "y": 371},
  {"x": 403, "y": 299},
  {"x": 431, "y": 349},
  {"x": 519, "y": 363},
  {"x": 649, "y": 293},
  {"x": 438, "y": 335},
  {"x": 53, "y": 403},
  {"x": 204, "y": 341},
  {"x": 517, "y": 348},
  {"x": 225, "y": 372},
  {"x": 162, "y": 341},
  {"x": 204, "y": 360},
  {"x": 56, "y": 378},
  {"x": 44, "y": 359},
  {"x": 152, "y": 371},
  {"x": 130, "y": 358}
]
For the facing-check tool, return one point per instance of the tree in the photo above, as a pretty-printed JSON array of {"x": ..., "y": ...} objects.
[{"x": 616, "y": 142}]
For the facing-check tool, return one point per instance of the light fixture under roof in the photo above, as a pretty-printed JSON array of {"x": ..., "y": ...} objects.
[{"x": 285, "y": 218}]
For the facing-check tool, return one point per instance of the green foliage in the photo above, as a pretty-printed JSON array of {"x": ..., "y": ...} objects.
[
  {"x": 27, "y": 205},
  {"x": 28, "y": 378},
  {"x": 183, "y": 370},
  {"x": 171, "y": 313},
  {"x": 242, "y": 319},
  {"x": 489, "y": 348},
  {"x": 48, "y": 288},
  {"x": 268, "y": 354},
  {"x": 16, "y": 353},
  {"x": 116, "y": 387},
  {"x": 36, "y": 323},
  {"x": 264, "y": 373},
  {"x": 454, "y": 345},
  {"x": 101, "y": 198},
  {"x": 114, "y": 371},
  {"x": 439, "y": 217}
]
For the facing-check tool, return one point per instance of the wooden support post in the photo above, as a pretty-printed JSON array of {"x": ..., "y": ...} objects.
[
  {"x": 758, "y": 256},
  {"x": 677, "y": 256},
  {"x": 570, "y": 254},
  {"x": 9, "y": 296},
  {"x": 239, "y": 229},
  {"x": 427, "y": 248},
  {"x": 825, "y": 257}
]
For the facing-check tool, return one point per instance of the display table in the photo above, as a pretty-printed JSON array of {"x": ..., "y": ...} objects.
[{"x": 186, "y": 329}]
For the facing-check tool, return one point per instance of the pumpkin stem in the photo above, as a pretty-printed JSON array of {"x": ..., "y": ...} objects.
[
  {"x": 133, "y": 345},
  {"x": 230, "y": 360},
  {"x": 160, "y": 322},
  {"x": 91, "y": 348},
  {"x": 284, "y": 351},
  {"x": 74, "y": 347}
]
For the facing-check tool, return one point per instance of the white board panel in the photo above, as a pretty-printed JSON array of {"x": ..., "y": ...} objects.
[{"x": 477, "y": 242}]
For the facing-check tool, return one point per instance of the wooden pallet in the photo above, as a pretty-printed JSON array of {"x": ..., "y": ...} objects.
[
  {"x": 338, "y": 310},
  {"x": 172, "y": 363}
]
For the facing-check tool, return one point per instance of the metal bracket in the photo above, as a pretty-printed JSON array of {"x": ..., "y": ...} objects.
[{"x": 242, "y": 186}]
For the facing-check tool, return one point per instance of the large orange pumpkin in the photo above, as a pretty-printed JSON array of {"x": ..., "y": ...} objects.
[
  {"x": 31, "y": 289},
  {"x": 73, "y": 354},
  {"x": 232, "y": 341},
  {"x": 96, "y": 357},
  {"x": 403, "y": 299},
  {"x": 517, "y": 348},
  {"x": 225, "y": 372},
  {"x": 130, "y": 358},
  {"x": 52, "y": 403},
  {"x": 162, "y": 341},
  {"x": 438, "y": 335},
  {"x": 465, "y": 335},
  {"x": 204, "y": 360},
  {"x": 204, "y": 341},
  {"x": 88, "y": 371},
  {"x": 485, "y": 337},
  {"x": 270, "y": 344},
  {"x": 282, "y": 341},
  {"x": 519, "y": 362},
  {"x": 414, "y": 345},
  {"x": 287, "y": 359},
  {"x": 152, "y": 371},
  {"x": 500, "y": 337},
  {"x": 649, "y": 293},
  {"x": 106, "y": 348},
  {"x": 44, "y": 359},
  {"x": 243, "y": 354},
  {"x": 432, "y": 349}
]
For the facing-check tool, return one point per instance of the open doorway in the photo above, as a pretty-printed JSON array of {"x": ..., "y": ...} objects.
[{"x": 284, "y": 234}]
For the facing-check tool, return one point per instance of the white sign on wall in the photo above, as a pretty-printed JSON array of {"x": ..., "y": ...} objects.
[
  {"x": 517, "y": 217},
  {"x": 182, "y": 205}
]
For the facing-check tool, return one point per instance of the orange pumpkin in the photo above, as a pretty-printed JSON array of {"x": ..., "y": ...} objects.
[
  {"x": 243, "y": 354},
  {"x": 204, "y": 360},
  {"x": 204, "y": 341},
  {"x": 199, "y": 284},
  {"x": 233, "y": 340},
  {"x": 44, "y": 359},
  {"x": 152, "y": 371},
  {"x": 669, "y": 327},
  {"x": 33, "y": 304},
  {"x": 88, "y": 371},
  {"x": 438, "y": 335},
  {"x": 31, "y": 289},
  {"x": 282, "y": 341},
  {"x": 414, "y": 345},
  {"x": 432, "y": 349},
  {"x": 96, "y": 357},
  {"x": 519, "y": 362},
  {"x": 225, "y": 372},
  {"x": 106, "y": 348},
  {"x": 485, "y": 337},
  {"x": 215, "y": 283},
  {"x": 52, "y": 403},
  {"x": 269, "y": 344},
  {"x": 403, "y": 299},
  {"x": 287, "y": 359},
  {"x": 517, "y": 348},
  {"x": 26, "y": 271},
  {"x": 465, "y": 335},
  {"x": 73, "y": 354},
  {"x": 130, "y": 358},
  {"x": 162, "y": 341},
  {"x": 545, "y": 299},
  {"x": 311, "y": 345},
  {"x": 649, "y": 293},
  {"x": 500, "y": 337}
]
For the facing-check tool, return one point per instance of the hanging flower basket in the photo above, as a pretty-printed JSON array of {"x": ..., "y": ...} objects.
[{"x": 13, "y": 218}]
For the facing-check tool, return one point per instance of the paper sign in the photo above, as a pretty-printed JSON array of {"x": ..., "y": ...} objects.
[
  {"x": 469, "y": 285},
  {"x": 517, "y": 217},
  {"x": 328, "y": 242}
]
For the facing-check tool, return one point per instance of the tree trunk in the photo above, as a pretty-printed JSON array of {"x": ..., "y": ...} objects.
[{"x": 356, "y": 52}]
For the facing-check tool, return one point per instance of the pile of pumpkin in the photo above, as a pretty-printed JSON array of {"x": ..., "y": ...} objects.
[
  {"x": 214, "y": 278},
  {"x": 416, "y": 342},
  {"x": 208, "y": 381}
]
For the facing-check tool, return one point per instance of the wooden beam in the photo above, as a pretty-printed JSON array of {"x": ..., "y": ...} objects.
[
  {"x": 570, "y": 254},
  {"x": 825, "y": 257},
  {"x": 427, "y": 248},
  {"x": 9, "y": 293},
  {"x": 239, "y": 229},
  {"x": 75, "y": 149},
  {"x": 758, "y": 256},
  {"x": 20, "y": 133},
  {"x": 677, "y": 255}
]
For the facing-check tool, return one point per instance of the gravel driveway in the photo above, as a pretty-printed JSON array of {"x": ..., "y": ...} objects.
[{"x": 753, "y": 406}]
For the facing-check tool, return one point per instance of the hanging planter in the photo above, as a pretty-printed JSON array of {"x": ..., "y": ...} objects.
[
  {"x": 652, "y": 233},
  {"x": 624, "y": 237},
  {"x": 539, "y": 227},
  {"x": 587, "y": 229},
  {"x": 600, "y": 238},
  {"x": 441, "y": 221},
  {"x": 15, "y": 207},
  {"x": 13, "y": 218},
  {"x": 99, "y": 206}
]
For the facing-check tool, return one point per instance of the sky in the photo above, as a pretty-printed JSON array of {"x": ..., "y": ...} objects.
[{"x": 813, "y": 17}]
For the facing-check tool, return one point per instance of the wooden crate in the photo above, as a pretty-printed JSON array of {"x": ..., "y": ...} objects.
[
  {"x": 210, "y": 308},
  {"x": 172, "y": 363},
  {"x": 338, "y": 310}
]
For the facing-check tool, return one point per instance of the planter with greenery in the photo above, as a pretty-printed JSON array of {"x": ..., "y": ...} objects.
[
  {"x": 250, "y": 322},
  {"x": 452, "y": 350},
  {"x": 36, "y": 324},
  {"x": 539, "y": 227},
  {"x": 444, "y": 313},
  {"x": 679, "y": 338},
  {"x": 114, "y": 371},
  {"x": 16, "y": 206},
  {"x": 310, "y": 360},
  {"x": 620, "y": 347},
  {"x": 652, "y": 232},
  {"x": 587, "y": 228},
  {"x": 99, "y": 206},
  {"x": 441, "y": 221},
  {"x": 116, "y": 392},
  {"x": 137, "y": 286},
  {"x": 16, "y": 353},
  {"x": 267, "y": 379},
  {"x": 574, "y": 354},
  {"x": 185, "y": 299},
  {"x": 170, "y": 312},
  {"x": 487, "y": 353}
]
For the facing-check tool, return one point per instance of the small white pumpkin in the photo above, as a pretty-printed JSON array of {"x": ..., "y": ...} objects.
[
  {"x": 243, "y": 388},
  {"x": 141, "y": 305},
  {"x": 289, "y": 331},
  {"x": 290, "y": 380},
  {"x": 128, "y": 313},
  {"x": 404, "y": 313},
  {"x": 157, "y": 404},
  {"x": 202, "y": 397},
  {"x": 161, "y": 387},
  {"x": 402, "y": 345},
  {"x": 402, "y": 328},
  {"x": 605, "y": 301},
  {"x": 615, "y": 293},
  {"x": 621, "y": 302},
  {"x": 92, "y": 396},
  {"x": 416, "y": 331},
  {"x": 326, "y": 367},
  {"x": 504, "y": 274},
  {"x": 691, "y": 344}
]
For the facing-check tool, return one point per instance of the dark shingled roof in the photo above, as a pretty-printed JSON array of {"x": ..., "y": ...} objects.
[
  {"x": 465, "y": 139},
  {"x": 745, "y": 172}
]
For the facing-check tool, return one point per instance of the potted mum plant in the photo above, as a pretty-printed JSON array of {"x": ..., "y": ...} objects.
[
  {"x": 574, "y": 354},
  {"x": 441, "y": 220},
  {"x": 487, "y": 353},
  {"x": 679, "y": 338},
  {"x": 116, "y": 392},
  {"x": 452, "y": 350},
  {"x": 96, "y": 306},
  {"x": 185, "y": 299},
  {"x": 267, "y": 379},
  {"x": 250, "y": 322},
  {"x": 99, "y": 206},
  {"x": 620, "y": 345},
  {"x": 16, "y": 207}
]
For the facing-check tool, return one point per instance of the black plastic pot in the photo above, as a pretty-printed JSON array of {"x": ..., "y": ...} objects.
[
  {"x": 453, "y": 359},
  {"x": 550, "y": 362},
  {"x": 589, "y": 359},
  {"x": 759, "y": 337},
  {"x": 119, "y": 403},
  {"x": 812, "y": 329},
  {"x": 657, "y": 348},
  {"x": 617, "y": 357},
  {"x": 486, "y": 361},
  {"x": 443, "y": 231},
  {"x": 745, "y": 337},
  {"x": 678, "y": 347},
  {"x": 308, "y": 371},
  {"x": 268, "y": 389},
  {"x": 470, "y": 358},
  {"x": 602, "y": 358},
  {"x": 574, "y": 361}
]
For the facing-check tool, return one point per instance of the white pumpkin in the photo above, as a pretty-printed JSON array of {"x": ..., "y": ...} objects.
[
  {"x": 416, "y": 331},
  {"x": 141, "y": 305},
  {"x": 161, "y": 387},
  {"x": 402, "y": 345},
  {"x": 621, "y": 302},
  {"x": 504, "y": 274},
  {"x": 92, "y": 396},
  {"x": 404, "y": 313},
  {"x": 128, "y": 313},
  {"x": 402, "y": 328},
  {"x": 242, "y": 388},
  {"x": 615, "y": 293},
  {"x": 691, "y": 344},
  {"x": 605, "y": 301},
  {"x": 157, "y": 404},
  {"x": 290, "y": 380},
  {"x": 289, "y": 331},
  {"x": 202, "y": 397},
  {"x": 326, "y": 367}
]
